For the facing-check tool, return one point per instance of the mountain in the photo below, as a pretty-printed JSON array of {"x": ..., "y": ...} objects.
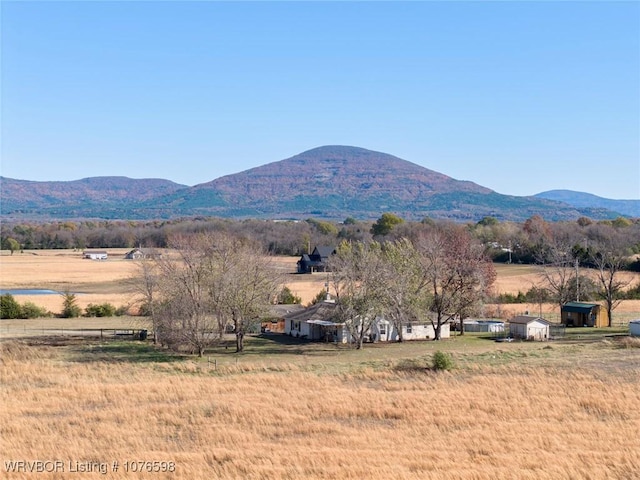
[
  {"x": 629, "y": 208},
  {"x": 338, "y": 181},
  {"x": 331, "y": 182},
  {"x": 95, "y": 196}
]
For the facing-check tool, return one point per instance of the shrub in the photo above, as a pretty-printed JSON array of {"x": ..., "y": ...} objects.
[
  {"x": 102, "y": 310},
  {"x": 442, "y": 361},
  {"x": 633, "y": 293},
  {"x": 9, "y": 308},
  {"x": 31, "y": 310},
  {"x": 145, "y": 310},
  {"x": 122, "y": 310},
  {"x": 320, "y": 297},
  {"x": 286, "y": 297}
]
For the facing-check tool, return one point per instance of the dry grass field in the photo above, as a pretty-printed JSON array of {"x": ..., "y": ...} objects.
[
  {"x": 507, "y": 411},
  {"x": 286, "y": 410}
]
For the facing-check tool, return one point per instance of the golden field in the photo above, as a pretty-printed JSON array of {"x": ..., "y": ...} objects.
[
  {"x": 287, "y": 410},
  {"x": 507, "y": 411}
]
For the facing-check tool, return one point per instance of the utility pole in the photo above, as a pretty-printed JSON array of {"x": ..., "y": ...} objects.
[{"x": 577, "y": 280}]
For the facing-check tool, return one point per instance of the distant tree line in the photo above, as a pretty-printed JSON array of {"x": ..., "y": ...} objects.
[{"x": 528, "y": 242}]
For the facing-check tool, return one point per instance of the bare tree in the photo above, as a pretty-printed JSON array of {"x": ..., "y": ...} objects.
[
  {"x": 439, "y": 284},
  {"x": 558, "y": 273},
  {"x": 145, "y": 282},
  {"x": 248, "y": 285},
  {"x": 472, "y": 273},
  {"x": 609, "y": 260},
  {"x": 457, "y": 274},
  {"x": 183, "y": 309}
]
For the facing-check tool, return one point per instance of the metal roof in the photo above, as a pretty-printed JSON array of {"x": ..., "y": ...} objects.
[{"x": 579, "y": 307}]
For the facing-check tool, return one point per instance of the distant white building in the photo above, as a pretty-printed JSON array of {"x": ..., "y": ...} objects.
[{"x": 95, "y": 254}]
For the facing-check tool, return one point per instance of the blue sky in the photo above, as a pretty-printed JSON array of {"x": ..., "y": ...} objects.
[{"x": 520, "y": 97}]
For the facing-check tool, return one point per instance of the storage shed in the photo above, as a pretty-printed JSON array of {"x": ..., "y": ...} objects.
[
  {"x": 580, "y": 314},
  {"x": 529, "y": 328},
  {"x": 634, "y": 328}
]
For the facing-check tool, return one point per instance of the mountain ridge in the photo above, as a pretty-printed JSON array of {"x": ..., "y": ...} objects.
[
  {"x": 582, "y": 199},
  {"x": 332, "y": 182}
]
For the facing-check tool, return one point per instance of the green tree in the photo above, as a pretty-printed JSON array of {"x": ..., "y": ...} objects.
[
  {"x": 12, "y": 244},
  {"x": 31, "y": 310},
  {"x": 355, "y": 271},
  {"x": 286, "y": 297},
  {"x": 70, "y": 308},
  {"x": 488, "y": 221},
  {"x": 321, "y": 296},
  {"x": 385, "y": 224},
  {"x": 403, "y": 280},
  {"x": 9, "y": 308},
  {"x": 102, "y": 310}
]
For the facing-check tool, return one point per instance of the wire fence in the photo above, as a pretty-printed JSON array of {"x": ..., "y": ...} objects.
[{"x": 102, "y": 333}]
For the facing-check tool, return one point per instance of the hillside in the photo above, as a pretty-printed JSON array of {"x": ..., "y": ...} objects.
[
  {"x": 95, "y": 196},
  {"x": 581, "y": 200},
  {"x": 330, "y": 182}
]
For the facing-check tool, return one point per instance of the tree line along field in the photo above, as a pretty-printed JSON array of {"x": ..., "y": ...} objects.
[
  {"x": 286, "y": 410},
  {"x": 110, "y": 281}
]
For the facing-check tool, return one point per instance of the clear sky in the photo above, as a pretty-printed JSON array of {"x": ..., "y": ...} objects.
[{"x": 520, "y": 97}]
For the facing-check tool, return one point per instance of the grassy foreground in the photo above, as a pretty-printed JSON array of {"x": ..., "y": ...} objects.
[{"x": 298, "y": 411}]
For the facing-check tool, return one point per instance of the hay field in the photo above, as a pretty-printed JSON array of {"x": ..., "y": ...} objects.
[
  {"x": 508, "y": 411},
  {"x": 65, "y": 270}
]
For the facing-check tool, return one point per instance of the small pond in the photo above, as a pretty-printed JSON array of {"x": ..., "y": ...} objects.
[{"x": 28, "y": 291}]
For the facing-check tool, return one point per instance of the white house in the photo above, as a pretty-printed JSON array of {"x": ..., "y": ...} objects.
[
  {"x": 529, "y": 328},
  {"x": 386, "y": 331},
  {"x": 95, "y": 254},
  {"x": 316, "y": 323},
  {"x": 634, "y": 328}
]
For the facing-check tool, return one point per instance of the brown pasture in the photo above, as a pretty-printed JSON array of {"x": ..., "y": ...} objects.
[{"x": 507, "y": 411}]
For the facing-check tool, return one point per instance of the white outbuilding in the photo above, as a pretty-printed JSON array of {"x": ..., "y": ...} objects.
[
  {"x": 529, "y": 328},
  {"x": 95, "y": 254}
]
